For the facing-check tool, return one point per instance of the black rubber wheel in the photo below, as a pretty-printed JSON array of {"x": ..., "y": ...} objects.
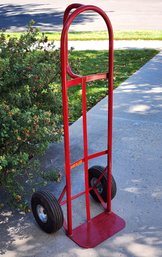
[
  {"x": 47, "y": 211},
  {"x": 94, "y": 173}
]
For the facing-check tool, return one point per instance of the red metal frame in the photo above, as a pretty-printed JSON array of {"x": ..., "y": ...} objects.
[{"x": 108, "y": 223}]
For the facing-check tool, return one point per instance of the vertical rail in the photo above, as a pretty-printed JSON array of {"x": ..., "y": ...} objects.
[
  {"x": 85, "y": 144},
  {"x": 66, "y": 130},
  {"x": 110, "y": 120}
]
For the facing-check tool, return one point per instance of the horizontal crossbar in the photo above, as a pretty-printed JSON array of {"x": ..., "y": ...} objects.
[
  {"x": 91, "y": 156},
  {"x": 93, "y": 77}
]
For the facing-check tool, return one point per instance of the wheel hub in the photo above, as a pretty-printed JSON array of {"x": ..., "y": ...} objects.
[
  {"x": 98, "y": 186},
  {"x": 42, "y": 213}
]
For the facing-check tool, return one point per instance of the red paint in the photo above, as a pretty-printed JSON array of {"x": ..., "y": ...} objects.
[
  {"x": 105, "y": 225},
  {"x": 100, "y": 228}
]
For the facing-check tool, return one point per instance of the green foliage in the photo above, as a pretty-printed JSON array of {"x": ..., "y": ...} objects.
[
  {"x": 52, "y": 175},
  {"x": 30, "y": 105}
]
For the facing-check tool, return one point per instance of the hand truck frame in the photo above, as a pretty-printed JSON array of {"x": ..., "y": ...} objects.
[{"x": 46, "y": 208}]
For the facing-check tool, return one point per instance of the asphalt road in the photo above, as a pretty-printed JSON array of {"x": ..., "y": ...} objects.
[{"x": 124, "y": 15}]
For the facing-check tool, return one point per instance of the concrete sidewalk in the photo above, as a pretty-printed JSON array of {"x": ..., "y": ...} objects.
[
  {"x": 118, "y": 44},
  {"x": 137, "y": 166}
]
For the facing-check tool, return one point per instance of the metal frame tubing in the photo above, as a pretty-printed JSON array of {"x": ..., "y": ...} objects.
[{"x": 66, "y": 70}]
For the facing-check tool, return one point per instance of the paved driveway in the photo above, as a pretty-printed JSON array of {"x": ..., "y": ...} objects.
[{"x": 124, "y": 14}]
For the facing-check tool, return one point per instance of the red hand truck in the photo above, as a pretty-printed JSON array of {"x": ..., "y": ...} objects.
[{"x": 99, "y": 182}]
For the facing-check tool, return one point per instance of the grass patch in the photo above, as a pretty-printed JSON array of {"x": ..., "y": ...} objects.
[
  {"x": 138, "y": 35},
  {"x": 126, "y": 62},
  {"x": 102, "y": 35}
]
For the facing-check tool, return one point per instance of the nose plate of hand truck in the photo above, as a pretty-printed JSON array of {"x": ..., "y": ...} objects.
[{"x": 97, "y": 230}]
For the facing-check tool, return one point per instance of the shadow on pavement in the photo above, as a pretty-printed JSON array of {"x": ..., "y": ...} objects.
[
  {"x": 16, "y": 17},
  {"x": 23, "y": 240}
]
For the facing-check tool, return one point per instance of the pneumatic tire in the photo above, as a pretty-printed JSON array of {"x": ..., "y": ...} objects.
[
  {"x": 47, "y": 211},
  {"x": 94, "y": 173}
]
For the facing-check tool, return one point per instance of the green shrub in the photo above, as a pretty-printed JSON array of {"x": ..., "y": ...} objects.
[{"x": 30, "y": 105}]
